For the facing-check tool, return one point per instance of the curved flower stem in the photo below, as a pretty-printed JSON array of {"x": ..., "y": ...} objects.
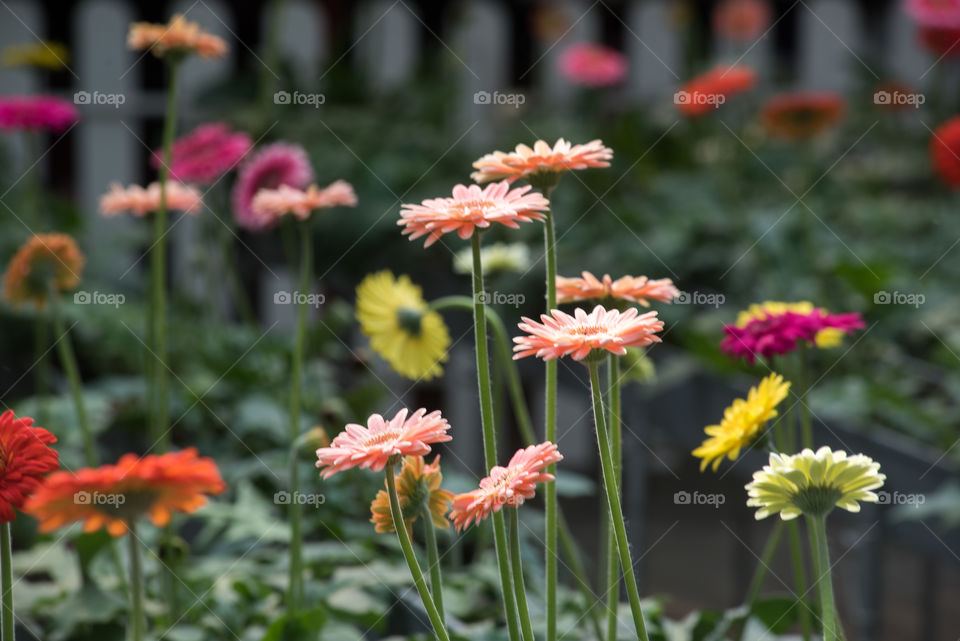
[
  {"x": 69, "y": 361},
  {"x": 137, "y": 620},
  {"x": 6, "y": 572},
  {"x": 41, "y": 381},
  {"x": 518, "y": 573},
  {"x": 613, "y": 502},
  {"x": 769, "y": 548},
  {"x": 612, "y": 565},
  {"x": 489, "y": 436},
  {"x": 295, "y": 593},
  {"x": 799, "y": 579},
  {"x": 397, "y": 513},
  {"x": 550, "y": 433},
  {"x": 806, "y": 428},
  {"x": 821, "y": 558},
  {"x": 433, "y": 554}
]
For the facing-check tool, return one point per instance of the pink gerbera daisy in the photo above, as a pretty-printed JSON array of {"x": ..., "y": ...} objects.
[
  {"x": 593, "y": 65},
  {"x": 36, "y": 112},
  {"x": 141, "y": 201},
  {"x": 272, "y": 204},
  {"x": 472, "y": 207},
  {"x": 373, "y": 447},
  {"x": 206, "y": 153},
  {"x": 636, "y": 289},
  {"x": 561, "y": 334},
  {"x": 524, "y": 161},
  {"x": 510, "y": 485},
  {"x": 274, "y": 165},
  {"x": 935, "y": 13}
]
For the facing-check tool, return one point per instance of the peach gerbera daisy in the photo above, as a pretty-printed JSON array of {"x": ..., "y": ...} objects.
[
  {"x": 419, "y": 493},
  {"x": 179, "y": 36},
  {"x": 523, "y": 162},
  {"x": 271, "y": 204},
  {"x": 373, "y": 446},
  {"x": 561, "y": 334},
  {"x": 510, "y": 485},
  {"x": 636, "y": 289},
  {"x": 116, "y": 496},
  {"x": 472, "y": 207},
  {"x": 141, "y": 201}
]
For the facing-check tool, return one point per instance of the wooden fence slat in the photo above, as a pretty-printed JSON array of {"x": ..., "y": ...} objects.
[
  {"x": 387, "y": 42},
  {"x": 829, "y": 45},
  {"x": 654, "y": 49},
  {"x": 583, "y": 25}
]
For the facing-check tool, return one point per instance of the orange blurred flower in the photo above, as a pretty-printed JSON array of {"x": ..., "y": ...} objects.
[
  {"x": 945, "y": 152},
  {"x": 541, "y": 159},
  {"x": 115, "y": 496},
  {"x": 563, "y": 335},
  {"x": 373, "y": 446},
  {"x": 179, "y": 36},
  {"x": 418, "y": 488},
  {"x": 510, "y": 485},
  {"x": 741, "y": 20},
  {"x": 707, "y": 91},
  {"x": 802, "y": 115},
  {"x": 25, "y": 457},
  {"x": 271, "y": 204},
  {"x": 470, "y": 208},
  {"x": 140, "y": 202},
  {"x": 636, "y": 289},
  {"x": 45, "y": 262}
]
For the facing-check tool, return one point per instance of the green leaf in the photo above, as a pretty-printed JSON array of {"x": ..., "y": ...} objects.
[{"x": 303, "y": 626}]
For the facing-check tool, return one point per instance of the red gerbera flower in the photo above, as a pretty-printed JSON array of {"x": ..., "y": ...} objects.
[
  {"x": 706, "y": 92},
  {"x": 25, "y": 457},
  {"x": 802, "y": 115},
  {"x": 945, "y": 151}
]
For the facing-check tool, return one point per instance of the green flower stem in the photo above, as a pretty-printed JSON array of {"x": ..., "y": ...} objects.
[
  {"x": 806, "y": 428},
  {"x": 613, "y": 502},
  {"x": 34, "y": 217},
  {"x": 517, "y": 566},
  {"x": 433, "y": 554},
  {"x": 769, "y": 548},
  {"x": 41, "y": 381},
  {"x": 571, "y": 551},
  {"x": 158, "y": 271},
  {"x": 6, "y": 560},
  {"x": 821, "y": 556},
  {"x": 137, "y": 624},
  {"x": 799, "y": 579},
  {"x": 489, "y": 436},
  {"x": 69, "y": 362},
  {"x": 411, "y": 558},
  {"x": 295, "y": 593},
  {"x": 611, "y": 563},
  {"x": 550, "y": 431}
]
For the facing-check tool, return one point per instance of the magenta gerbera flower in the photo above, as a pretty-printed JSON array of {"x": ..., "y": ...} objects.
[
  {"x": 206, "y": 153},
  {"x": 36, "y": 112},
  {"x": 274, "y": 165}
]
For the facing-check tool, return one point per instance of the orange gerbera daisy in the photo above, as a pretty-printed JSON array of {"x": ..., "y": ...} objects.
[
  {"x": 140, "y": 202},
  {"x": 271, "y": 204},
  {"x": 418, "y": 487},
  {"x": 373, "y": 446},
  {"x": 706, "y": 92},
  {"x": 25, "y": 457},
  {"x": 510, "y": 485},
  {"x": 472, "y": 207},
  {"x": 636, "y": 289},
  {"x": 45, "y": 263},
  {"x": 179, "y": 36},
  {"x": 542, "y": 159},
  {"x": 564, "y": 335},
  {"x": 803, "y": 115},
  {"x": 115, "y": 496}
]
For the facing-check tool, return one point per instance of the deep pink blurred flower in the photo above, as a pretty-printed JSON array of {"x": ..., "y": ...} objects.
[
  {"x": 780, "y": 333},
  {"x": 36, "y": 112},
  {"x": 935, "y": 13},
  {"x": 941, "y": 41},
  {"x": 206, "y": 153},
  {"x": 274, "y": 165},
  {"x": 593, "y": 65},
  {"x": 741, "y": 20}
]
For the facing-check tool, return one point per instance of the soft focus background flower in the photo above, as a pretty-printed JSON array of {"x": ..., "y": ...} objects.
[
  {"x": 711, "y": 89},
  {"x": 206, "y": 153},
  {"x": 33, "y": 113},
  {"x": 593, "y": 65},
  {"x": 46, "y": 264},
  {"x": 268, "y": 168},
  {"x": 272, "y": 204},
  {"x": 635, "y": 289},
  {"x": 495, "y": 257},
  {"x": 141, "y": 201},
  {"x": 179, "y": 36},
  {"x": 945, "y": 152},
  {"x": 43, "y": 54},
  {"x": 802, "y": 115},
  {"x": 526, "y": 162},
  {"x": 741, "y": 21}
]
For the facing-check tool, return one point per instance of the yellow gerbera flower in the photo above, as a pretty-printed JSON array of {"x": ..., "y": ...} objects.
[
  {"x": 401, "y": 326},
  {"x": 813, "y": 483},
  {"x": 42, "y": 54},
  {"x": 742, "y": 422},
  {"x": 418, "y": 487},
  {"x": 825, "y": 338}
]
